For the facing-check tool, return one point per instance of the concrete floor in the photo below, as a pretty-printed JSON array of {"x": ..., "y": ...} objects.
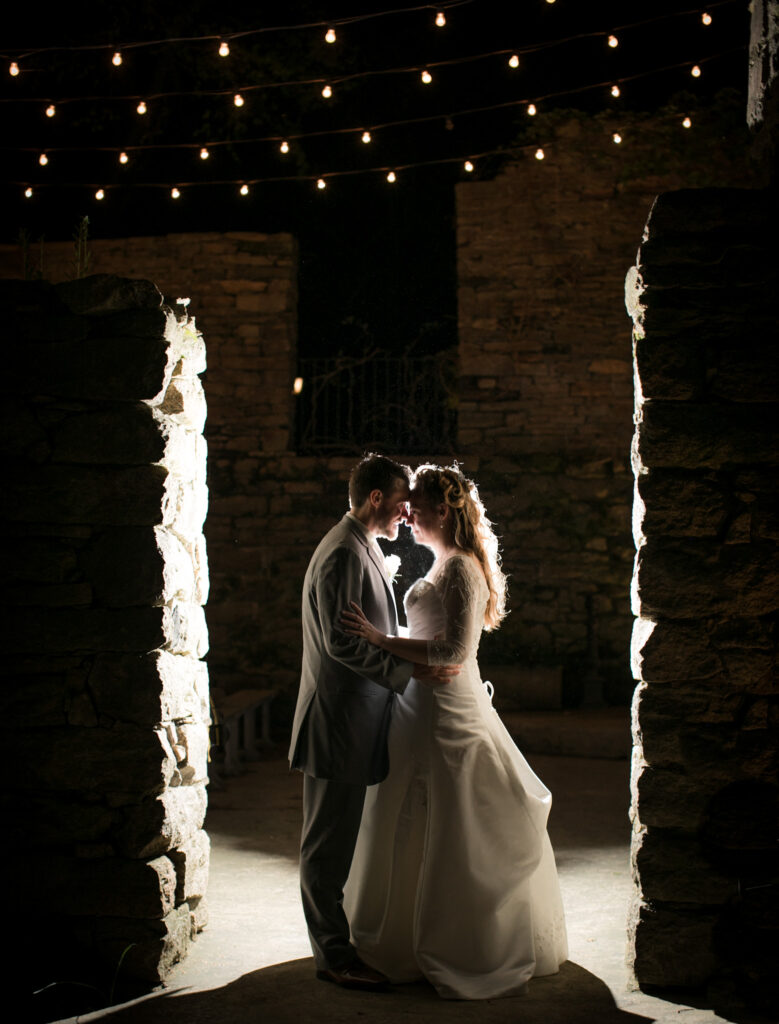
[{"x": 253, "y": 962}]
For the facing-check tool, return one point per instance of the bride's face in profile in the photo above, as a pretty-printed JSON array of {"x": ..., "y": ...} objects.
[{"x": 424, "y": 519}]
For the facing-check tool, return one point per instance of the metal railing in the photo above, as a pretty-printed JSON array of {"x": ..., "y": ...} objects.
[{"x": 377, "y": 402}]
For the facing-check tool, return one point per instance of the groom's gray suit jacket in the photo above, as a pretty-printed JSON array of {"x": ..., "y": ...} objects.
[{"x": 347, "y": 685}]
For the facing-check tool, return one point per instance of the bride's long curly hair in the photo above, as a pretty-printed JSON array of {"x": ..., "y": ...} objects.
[{"x": 473, "y": 531}]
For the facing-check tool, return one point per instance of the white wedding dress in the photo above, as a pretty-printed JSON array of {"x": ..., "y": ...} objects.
[{"x": 453, "y": 876}]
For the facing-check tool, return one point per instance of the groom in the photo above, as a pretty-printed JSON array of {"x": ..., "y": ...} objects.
[{"x": 347, "y": 688}]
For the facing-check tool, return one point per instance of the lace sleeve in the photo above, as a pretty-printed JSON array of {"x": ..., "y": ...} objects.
[{"x": 464, "y": 611}]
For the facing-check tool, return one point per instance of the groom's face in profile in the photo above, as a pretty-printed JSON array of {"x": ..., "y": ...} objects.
[{"x": 392, "y": 511}]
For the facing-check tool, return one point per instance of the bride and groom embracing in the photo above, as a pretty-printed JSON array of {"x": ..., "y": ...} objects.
[{"x": 424, "y": 850}]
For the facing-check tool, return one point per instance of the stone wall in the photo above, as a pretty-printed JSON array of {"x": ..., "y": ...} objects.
[
  {"x": 705, "y": 789},
  {"x": 104, "y": 696}
]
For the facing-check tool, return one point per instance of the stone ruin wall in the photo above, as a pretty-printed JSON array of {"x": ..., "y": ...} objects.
[
  {"x": 705, "y": 779},
  {"x": 104, "y": 693}
]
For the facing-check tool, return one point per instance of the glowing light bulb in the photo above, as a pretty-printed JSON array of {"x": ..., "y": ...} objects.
[
  {"x": 695, "y": 71},
  {"x": 321, "y": 183},
  {"x": 550, "y": 1},
  {"x": 100, "y": 194},
  {"x": 28, "y": 193},
  {"x": 366, "y": 137},
  {"x": 613, "y": 41},
  {"x": 13, "y": 69},
  {"x": 141, "y": 108},
  {"x": 330, "y": 35},
  {"x": 284, "y": 147},
  {"x": 616, "y": 137},
  {"x": 297, "y": 385},
  {"x": 687, "y": 123},
  {"x": 327, "y": 92},
  {"x": 204, "y": 154},
  {"x": 391, "y": 176},
  {"x": 175, "y": 193},
  {"x": 440, "y": 19},
  {"x": 531, "y": 109},
  {"x": 224, "y": 48},
  {"x": 51, "y": 110},
  {"x": 123, "y": 158},
  {"x": 116, "y": 60},
  {"x": 706, "y": 18},
  {"x": 514, "y": 60},
  {"x": 540, "y": 154},
  {"x": 244, "y": 190},
  {"x": 238, "y": 100},
  {"x": 427, "y": 78},
  {"x": 468, "y": 166},
  {"x": 615, "y": 91},
  {"x": 43, "y": 159}
]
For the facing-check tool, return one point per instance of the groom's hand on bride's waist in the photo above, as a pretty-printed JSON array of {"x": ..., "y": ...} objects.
[{"x": 435, "y": 674}]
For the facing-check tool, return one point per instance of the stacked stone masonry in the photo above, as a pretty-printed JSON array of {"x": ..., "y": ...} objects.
[
  {"x": 705, "y": 789},
  {"x": 105, "y": 696}
]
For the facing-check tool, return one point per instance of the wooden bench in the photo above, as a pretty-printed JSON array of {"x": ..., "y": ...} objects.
[{"x": 235, "y": 724}]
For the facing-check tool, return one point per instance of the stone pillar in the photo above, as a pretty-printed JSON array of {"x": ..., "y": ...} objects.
[
  {"x": 105, "y": 698},
  {"x": 705, "y": 790}
]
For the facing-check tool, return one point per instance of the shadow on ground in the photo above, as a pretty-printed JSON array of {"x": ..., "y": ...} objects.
[{"x": 289, "y": 994}]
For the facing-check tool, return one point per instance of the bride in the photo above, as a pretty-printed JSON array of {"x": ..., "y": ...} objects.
[{"x": 453, "y": 876}]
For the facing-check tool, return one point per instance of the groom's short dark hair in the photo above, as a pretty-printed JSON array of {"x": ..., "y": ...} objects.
[{"x": 375, "y": 473}]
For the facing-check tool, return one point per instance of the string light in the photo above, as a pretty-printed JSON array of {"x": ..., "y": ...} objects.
[
  {"x": 123, "y": 158},
  {"x": 244, "y": 190},
  {"x": 175, "y": 193},
  {"x": 327, "y": 92},
  {"x": 686, "y": 123},
  {"x": 366, "y": 137},
  {"x": 615, "y": 90},
  {"x": 330, "y": 35},
  {"x": 238, "y": 100},
  {"x": 28, "y": 193},
  {"x": 427, "y": 78},
  {"x": 43, "y": 159},
  {"x": 468, "y": 166},
  {"x": 531, "y": 109},
  {"x": 321, "y": 183},
  {"x": 297, "y": 385},
  {"x": 224, "y": 48},
  {"x": 204, "y": 154},
  {"x": 391, "y": 177},
  {"x": 706, "y": 18},
  {"x": 440, "y": 19},
  {"x": 141, "y": 108},
  {"x": 616, "y": 137},
  {"x": 613, "y": 41},
  {"x": 116, "y": 60},
  {"x": 539, "y": 154},
  {"x": 51, "y": 110},
  {"x": 13, "y": 69},
  {"x": 695, "y": 71},
  {"x": 514, "y": 60},
  {"x": 284, "y": 147},
  {"x": 100, "y": 194},
  {"x": 550, "y": 1}
]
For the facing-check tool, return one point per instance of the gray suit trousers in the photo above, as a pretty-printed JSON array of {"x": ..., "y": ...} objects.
[{"x": 331, "y": 820}]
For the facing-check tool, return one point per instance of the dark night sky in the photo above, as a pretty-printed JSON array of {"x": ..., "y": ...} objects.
[{"x": 375, "y": 257}]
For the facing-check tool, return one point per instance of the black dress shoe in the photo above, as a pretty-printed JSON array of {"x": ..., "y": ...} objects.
[{"x": 355, "y": 975}]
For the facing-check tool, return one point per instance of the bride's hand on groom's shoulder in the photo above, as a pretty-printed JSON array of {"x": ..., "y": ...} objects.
[{"x": 354, "y": 623}]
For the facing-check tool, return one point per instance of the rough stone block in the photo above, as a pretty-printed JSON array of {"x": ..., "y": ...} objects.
[
  {"x": 157, "y": 826},
  {"x": 191, "y": 860},
  {"x": 668, "y": 798},
  {"x": 190, "y": 739},
  {"x": 107, "y": 293},
  {"x": 671, "y": 947},
  {"x": 124, "y": 763},
  {"x": 113, "y": 887},
  {"x": 145, "y": 566},
  {"x": 674, "y": 869},
  {"x": 34, "y": 821},
  {"x": 689, "y": 579},
  {"x": 152, "y": 947},
  {"x": 185, "y": 403},
  {"x": 666, "y": 651},
  {"x": 149, "y": 688},
  {"x": 123, "y": 434}
]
